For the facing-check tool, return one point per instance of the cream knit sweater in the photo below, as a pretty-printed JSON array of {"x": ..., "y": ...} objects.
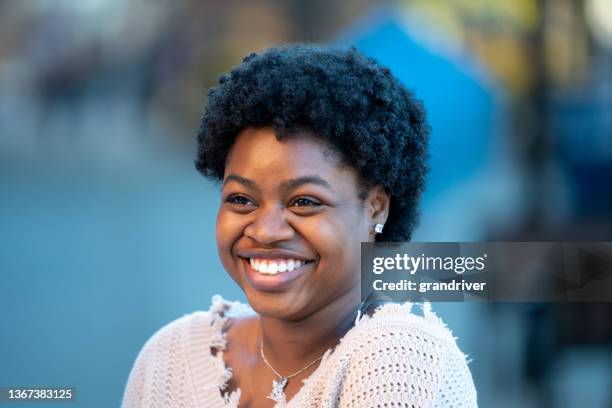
[{"x": 394, "y": 358}]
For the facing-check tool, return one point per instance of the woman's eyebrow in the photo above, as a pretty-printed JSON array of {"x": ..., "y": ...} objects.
[
  {"x": 239, "y": 179},
  {"x": 285, "y": 185},
  {"x": 295, "y": 183}
]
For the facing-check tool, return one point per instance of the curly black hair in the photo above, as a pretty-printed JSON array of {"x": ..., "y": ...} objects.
[{"x": 350, "y": 101}]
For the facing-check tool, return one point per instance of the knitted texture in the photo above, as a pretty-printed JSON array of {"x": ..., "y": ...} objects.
[{"x": 394, "y": 358}]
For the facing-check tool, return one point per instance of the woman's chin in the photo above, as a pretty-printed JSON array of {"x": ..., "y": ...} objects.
[{"x": 277, "y": 305}]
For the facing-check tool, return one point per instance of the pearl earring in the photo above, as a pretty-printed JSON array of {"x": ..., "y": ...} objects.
[{"x": 378, "y": 228}]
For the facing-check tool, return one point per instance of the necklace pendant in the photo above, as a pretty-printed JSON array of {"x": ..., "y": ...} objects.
[{"x": 278, "y": 390}]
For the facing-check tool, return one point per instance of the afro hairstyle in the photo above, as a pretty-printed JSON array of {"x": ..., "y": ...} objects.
[{"x": 348, "y": 100}]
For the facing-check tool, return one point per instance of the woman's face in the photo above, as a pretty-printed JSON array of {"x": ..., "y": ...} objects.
[{"x": 290, "y": 223}]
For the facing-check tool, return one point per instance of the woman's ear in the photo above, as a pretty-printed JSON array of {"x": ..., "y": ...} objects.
[{"x": 377, "y": 205}]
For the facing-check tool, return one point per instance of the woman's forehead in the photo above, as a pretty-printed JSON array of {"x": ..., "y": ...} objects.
[
  {"x": 257, "y": 153},
  {"x": 261, "y": 148}
]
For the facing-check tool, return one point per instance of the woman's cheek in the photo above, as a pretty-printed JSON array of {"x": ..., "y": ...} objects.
[
  {"x": 230, "y": 226},
  {"x": 228, "y": 232},
  {"x": 330, "y": 240}
]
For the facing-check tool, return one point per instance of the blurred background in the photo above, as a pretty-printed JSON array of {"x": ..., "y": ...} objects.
[{"x": 107, "y": 230}]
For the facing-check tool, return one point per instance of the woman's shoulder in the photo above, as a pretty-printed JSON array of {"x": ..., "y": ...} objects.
[
  {"x": 396, "y": 355},
  {"x": 403, "y": 319},
  {"x": 200, "y": 324},
  {"x": 182, "y": 347},
  {"x": 399, "y": 354},
  {"x": 403, "y": 332}
]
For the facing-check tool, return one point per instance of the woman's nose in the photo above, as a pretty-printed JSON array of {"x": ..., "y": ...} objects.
[{"x": 269, "y": 226}]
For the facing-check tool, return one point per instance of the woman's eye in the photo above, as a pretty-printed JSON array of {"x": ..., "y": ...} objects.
[
  {"x": 304, "y": 202},
  {"x": 238, "y": 199}
]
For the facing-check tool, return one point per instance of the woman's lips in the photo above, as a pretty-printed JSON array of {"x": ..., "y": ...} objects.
[{"x": 273, "y": 282}]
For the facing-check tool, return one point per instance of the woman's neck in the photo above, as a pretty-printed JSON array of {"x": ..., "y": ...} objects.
[{"x": 290, "y": 345}]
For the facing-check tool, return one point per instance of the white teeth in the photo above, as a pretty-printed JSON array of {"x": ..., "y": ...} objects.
[{"x": 272, "y": 267}]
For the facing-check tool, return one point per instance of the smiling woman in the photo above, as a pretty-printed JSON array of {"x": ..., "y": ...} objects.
[
  {"x": 288, "y": 204},
  {"x": 315, "y": 149}
]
